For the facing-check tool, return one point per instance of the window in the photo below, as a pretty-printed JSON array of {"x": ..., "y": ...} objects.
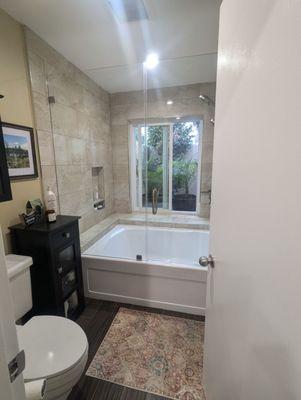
[{"x": 166, "y": 156}]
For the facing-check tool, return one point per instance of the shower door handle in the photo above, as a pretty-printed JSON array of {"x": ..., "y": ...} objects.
[{"x": 155, "y": 201}]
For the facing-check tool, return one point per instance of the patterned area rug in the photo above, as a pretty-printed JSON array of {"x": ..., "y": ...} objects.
[{"x": 155, "y": 353}]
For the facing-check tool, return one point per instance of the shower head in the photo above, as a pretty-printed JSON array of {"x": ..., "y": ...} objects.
[{"x": 206, "y": 99}]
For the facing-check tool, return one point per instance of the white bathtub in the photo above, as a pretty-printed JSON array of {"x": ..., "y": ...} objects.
[{"x": 169, "y": 275}]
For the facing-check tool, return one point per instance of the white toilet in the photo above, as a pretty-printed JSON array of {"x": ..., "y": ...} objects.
[{"x": 56, "y": 348}]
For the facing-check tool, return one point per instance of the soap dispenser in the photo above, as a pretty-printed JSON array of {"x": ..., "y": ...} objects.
[{"x": 51, "y": 205}]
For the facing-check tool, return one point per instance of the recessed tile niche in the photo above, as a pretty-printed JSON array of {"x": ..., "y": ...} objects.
[{"x": 98, "y": 188}]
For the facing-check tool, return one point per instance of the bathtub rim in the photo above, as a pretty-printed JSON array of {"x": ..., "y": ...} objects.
[
  {"x": 162, "y": 262},
  {"x": 147, "y": 262},
  {"x": 96, "y": 232}
]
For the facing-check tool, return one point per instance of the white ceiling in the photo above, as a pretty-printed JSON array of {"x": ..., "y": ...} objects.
[{"x": 183, "y": 32}]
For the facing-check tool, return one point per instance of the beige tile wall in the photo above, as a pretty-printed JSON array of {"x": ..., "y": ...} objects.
[
  {"x": 129, "y": 106},
  {"x": 73, "y": 133},
  {"x": 87, "y": 127}
]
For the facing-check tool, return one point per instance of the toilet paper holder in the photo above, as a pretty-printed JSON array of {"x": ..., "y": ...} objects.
[{"x": 17, "y": 365}]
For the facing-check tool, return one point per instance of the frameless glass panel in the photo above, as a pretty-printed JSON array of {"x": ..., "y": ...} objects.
[
  {"x": 84, "y": 137},
  {"x": 180, "y": 96}
]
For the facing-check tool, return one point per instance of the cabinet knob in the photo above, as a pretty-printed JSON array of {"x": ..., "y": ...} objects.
[{"x": 60, "y": 270}]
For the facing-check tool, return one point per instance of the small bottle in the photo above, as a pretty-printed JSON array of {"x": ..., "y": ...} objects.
[
  {"x": 51, "y": 205},
  {"x": 50, "y": 216}
]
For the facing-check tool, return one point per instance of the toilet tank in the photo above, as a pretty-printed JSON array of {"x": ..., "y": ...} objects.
[{"x": 18, "y": 269}]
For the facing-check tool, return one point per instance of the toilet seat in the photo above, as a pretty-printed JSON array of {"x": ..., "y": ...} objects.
[
  {"x": 53, "y": 346},
  {"x": 59, "y": 386}
]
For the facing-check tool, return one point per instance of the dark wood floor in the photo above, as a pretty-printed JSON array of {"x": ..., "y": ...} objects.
[{"x": 95, "y": 321}]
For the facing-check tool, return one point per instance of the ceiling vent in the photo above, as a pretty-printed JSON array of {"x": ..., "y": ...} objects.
[{"x": 129, "y": 10}]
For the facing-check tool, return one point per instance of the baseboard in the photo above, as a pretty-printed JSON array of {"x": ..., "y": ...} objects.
[{"x": 147, "y": 303}]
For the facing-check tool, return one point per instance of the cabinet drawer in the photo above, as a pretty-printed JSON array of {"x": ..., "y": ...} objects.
[{"x": 64, "y": 236}]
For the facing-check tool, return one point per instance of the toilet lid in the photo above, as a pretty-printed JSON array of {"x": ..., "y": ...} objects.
[{"x": 52, "y": 345}]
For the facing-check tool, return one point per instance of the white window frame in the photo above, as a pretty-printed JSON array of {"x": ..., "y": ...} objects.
[{"x": 132, "y": 154}]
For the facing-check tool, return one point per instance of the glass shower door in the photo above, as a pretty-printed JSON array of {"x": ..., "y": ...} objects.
[
  {"x": 151, "y": 171},
  {"x": 175, "y": 181}
]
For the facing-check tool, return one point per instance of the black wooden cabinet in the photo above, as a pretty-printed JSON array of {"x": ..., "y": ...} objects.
[{"x": 56, "y": 273}]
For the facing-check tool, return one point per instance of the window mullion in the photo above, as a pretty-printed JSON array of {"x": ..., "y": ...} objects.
[
  {"x": 170, "y": 165},
  {"x": 140, "y": 161}
]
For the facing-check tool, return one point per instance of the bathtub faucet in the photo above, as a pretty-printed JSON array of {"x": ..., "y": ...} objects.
[{"x": 155, "y": 201}]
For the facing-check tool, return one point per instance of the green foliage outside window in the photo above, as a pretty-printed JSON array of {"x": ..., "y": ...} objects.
[{"x": 183, "y": 170}]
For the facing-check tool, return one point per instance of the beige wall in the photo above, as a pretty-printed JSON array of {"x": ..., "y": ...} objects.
[
  {"x": 129, "y": 106},
  {"x": 73, "y": 133},
  {"x": 15, "y": 108}
]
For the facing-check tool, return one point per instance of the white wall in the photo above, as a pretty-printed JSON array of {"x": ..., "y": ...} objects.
[{"x": 253, "y": 324}]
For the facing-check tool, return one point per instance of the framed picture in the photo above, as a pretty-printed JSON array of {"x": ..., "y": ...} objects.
[
  {"x": 5, "y": 190},
  {"x": 20, "y": 151}
]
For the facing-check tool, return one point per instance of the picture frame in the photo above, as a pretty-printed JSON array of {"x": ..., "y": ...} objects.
[
  {"x": 20, "y": 151},
  {"x": 5, "y": 189}
]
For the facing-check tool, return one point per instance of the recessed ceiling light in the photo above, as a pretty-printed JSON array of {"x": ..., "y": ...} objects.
[
  {"x": 178, "y": 117},
  {"x": 169, "y": 102},
  {"x": 152, "y": 60}
]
